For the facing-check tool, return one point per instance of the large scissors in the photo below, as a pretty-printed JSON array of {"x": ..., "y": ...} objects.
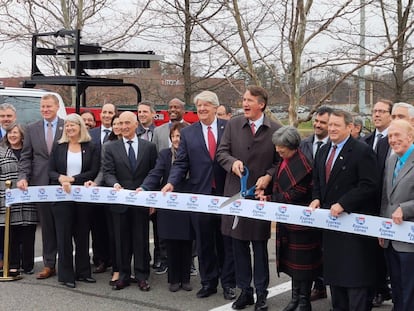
[{"x": 243, "y": 194}]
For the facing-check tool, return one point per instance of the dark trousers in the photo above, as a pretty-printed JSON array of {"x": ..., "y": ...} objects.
[
  {"x": 401, "y": 269},
  {"x": 214, "y": 257},
  {"x": 179, "y": 260},
  {"x": 132, "y": 239},
  {"x": 100, "y": 236},
  {"x": 160, "y": 247},
  {"x": 72, "y": 222},
  {"x": 22, "y": 241},
  {"x": 350, "y": 298},
  {"x": 111, "y": 238},
  {"x": 243, "y": 264},
  {"x": 49, "y": 241}
]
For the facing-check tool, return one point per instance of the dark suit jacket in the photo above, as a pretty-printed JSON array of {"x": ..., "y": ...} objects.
[
  {"x": 306, "y": 146},
  {"x": 175, "y": 225},
  {"x": 34, "y": 160},
  {"x": 193, "y": 157},
  {"x": 116, "y": 167},
  {"x": 58, "y": 163},
  {"x": 96, "y": 138},
  {"x": 259, "y": 155},
  {"x": 349, "y": 259},
  {"x": 369, "y": 139}
]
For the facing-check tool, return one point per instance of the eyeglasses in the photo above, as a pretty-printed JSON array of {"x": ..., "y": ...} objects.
[{"x": 379, "y": 111}]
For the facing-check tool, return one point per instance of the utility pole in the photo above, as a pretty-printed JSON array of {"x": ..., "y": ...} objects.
[{"x": 361, "y": 73}]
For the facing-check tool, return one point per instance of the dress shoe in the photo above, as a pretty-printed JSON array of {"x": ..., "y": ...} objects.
[
  {"x": 261, "y": 303},
  {"x": 112, "y": 282},
  {"x": 206, "y": 291},
  {"x": 174, "y": 287},
  {"x": 120, "y": 285},
  {"x": 317, "y": 294},
  {"x": 86, "y": 279},
  {"x": 14, "y": 272},
  {"x": 156, "y": 264},
  {"x": 144, "y": 285},
  {"x": 245, "y": 299},
  {"x": 187, "y": 287},
  {"x": 28, "y": 272},
  {"x": 101, "y": 268},
  {"x": 229, "y": 293},
  {"x": 46, "y": 273},
  {"x": 69, "y": 284},
  {"x": 163, "y": 268}
]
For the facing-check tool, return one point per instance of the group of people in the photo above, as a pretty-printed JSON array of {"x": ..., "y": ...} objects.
[{"x": 334, "y": 168}]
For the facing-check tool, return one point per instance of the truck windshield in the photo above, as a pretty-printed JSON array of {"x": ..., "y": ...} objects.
[{"x": 27, "y": 107}]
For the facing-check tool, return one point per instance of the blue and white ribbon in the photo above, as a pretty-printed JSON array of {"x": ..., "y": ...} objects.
[{"x": 272, "y": 211}]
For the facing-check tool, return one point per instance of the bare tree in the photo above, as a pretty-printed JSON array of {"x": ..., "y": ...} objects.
[{"x": 108, "y": 22}]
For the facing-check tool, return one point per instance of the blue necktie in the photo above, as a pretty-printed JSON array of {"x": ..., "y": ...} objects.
[
  {"x": 398, "y": 167},
  {"x": 131, "y": 156}
]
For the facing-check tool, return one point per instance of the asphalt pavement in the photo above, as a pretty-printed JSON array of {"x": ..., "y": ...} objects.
[{"x": 47, "y": 295}]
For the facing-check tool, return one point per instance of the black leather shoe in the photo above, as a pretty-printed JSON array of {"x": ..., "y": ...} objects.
[
  {"x": 245, "y": 299},
  {"x": 206, "y": 291},
  {"x": 229, "y": 293},
  {"x": 144, "y": 285},
  {"x": 120, "y": 285},
  {"x": 69, "y": 284},
  {"x": 261, "y": 303},
  {"x": 86, "y": 279}
]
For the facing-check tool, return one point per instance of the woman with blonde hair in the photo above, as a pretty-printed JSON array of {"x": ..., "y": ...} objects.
[{"x": 73, "y": 161}]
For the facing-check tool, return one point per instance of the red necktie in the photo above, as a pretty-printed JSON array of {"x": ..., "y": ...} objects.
[
  {"x": 253, "y": 128},
  {"x": 211, "y": 143},
  {"x": 212, "y": 150},
  {"x": 329, "y": 163}
]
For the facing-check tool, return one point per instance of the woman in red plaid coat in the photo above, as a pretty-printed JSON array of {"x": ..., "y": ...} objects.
[{"x": 298, "y": 248}]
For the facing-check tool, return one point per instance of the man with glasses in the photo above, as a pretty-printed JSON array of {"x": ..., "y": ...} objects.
[
  {"x": 381, "y": 117},
  {"x": 378, "y": 140}
]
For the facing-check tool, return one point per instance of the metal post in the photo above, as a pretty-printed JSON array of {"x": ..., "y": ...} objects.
[{"x": 6, "y": 255}]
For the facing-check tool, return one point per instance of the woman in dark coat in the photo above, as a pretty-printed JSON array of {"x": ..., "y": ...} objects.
[
  {"x": 173, "y": 226},
  {"x": 298, "y": 248},
  {"x": 23, "y": 217},
  {"x": 73, "y": 161}
]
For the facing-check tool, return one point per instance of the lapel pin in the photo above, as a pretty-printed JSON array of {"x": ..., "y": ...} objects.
[{"x": 341, "y": 157}]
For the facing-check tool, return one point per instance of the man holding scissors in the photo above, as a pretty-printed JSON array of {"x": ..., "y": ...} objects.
[{"x": 247, "y": 140}]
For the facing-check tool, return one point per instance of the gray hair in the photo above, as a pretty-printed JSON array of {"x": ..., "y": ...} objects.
[
  {"x": 83, "y": 135},
  {"x": 8, "y": 106},
  {"x": 404, "y": 105},
  {"x": 358, "y": 121},
  {"x": 287, "y": 136},
  {"x": 207, "y": 96}
]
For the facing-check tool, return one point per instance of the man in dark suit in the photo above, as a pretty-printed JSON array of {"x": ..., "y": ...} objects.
[
  {"x": 197, "y": 156},
  {"x": 247, "y": 140},
  {"x": 378, "y": 140},
  {"x": 33, "y": 170},
  {"x": 381, "y": 117},
  {"x": 346, "y": 180},
  {"x": 397, "y": 203},
  {"x": 310, "y": 145},
  {"x": 99, "y": 222},
  {"x": 126, "y": 164}
]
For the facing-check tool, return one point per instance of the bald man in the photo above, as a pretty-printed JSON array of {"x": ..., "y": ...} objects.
[{"x": 127, "y": 162}]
